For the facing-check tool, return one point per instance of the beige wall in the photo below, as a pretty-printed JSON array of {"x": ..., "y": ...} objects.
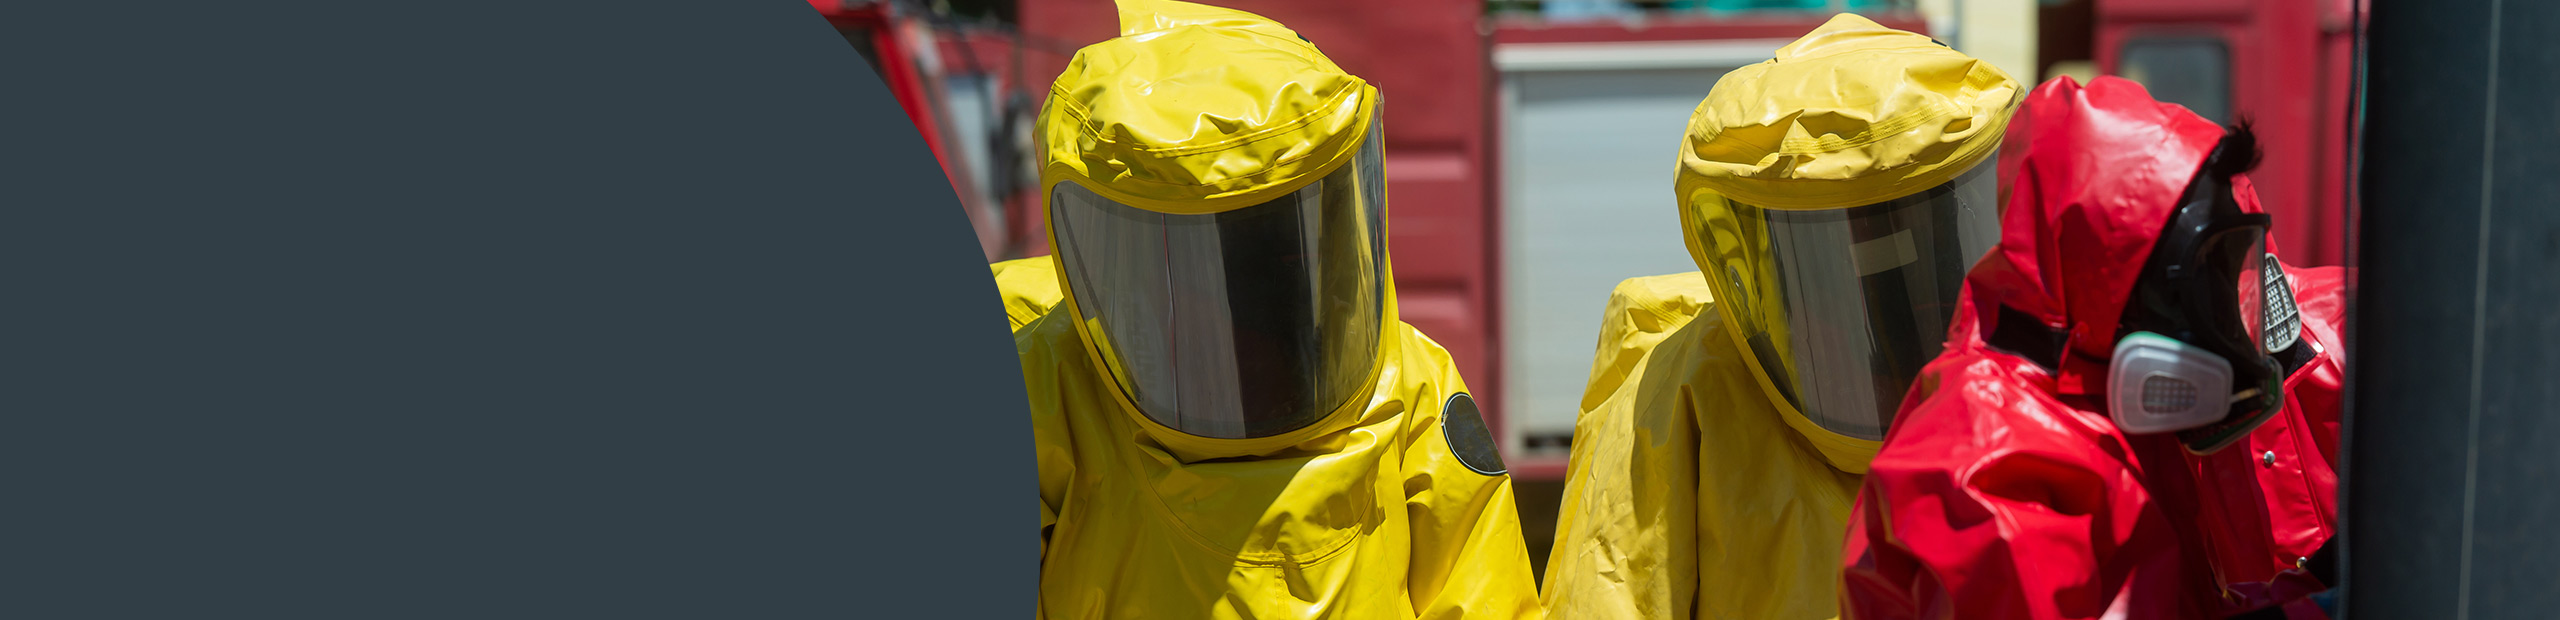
[{"x": 2000, "y": 31}]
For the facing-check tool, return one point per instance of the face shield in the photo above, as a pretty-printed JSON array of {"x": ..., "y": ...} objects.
[
  {"x": 2230, "y": 293},
  {"x": 2208, "y": 286},
  {"x": 2207, "y": 280},
  {"x": 1841, "y": 307},
  {"x": 1246, "y": 323}
]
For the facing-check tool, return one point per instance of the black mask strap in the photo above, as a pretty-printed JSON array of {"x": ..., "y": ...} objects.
[{"x": 2021, "y": 334}]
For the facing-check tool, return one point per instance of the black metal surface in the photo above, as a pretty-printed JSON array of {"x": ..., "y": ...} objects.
[{"x": 2452, "y": 481}]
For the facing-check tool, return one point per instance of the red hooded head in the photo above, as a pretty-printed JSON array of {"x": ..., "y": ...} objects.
[{"x": 2104, "y": 165}]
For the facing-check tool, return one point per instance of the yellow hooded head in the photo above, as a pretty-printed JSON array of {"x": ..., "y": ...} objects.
[
  {"x": 1198, "y": 109},
  {"x": 1216, "y": 196},
  {"x": 1858, "y": 120}
]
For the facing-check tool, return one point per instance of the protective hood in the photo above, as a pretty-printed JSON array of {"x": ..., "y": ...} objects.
[
  {"x": 2103, "y": 168},
  {"x": 1833, "y": 196},
  {"x": 1195, "y": 127},
  {"x": 1197, "y": 109},
  {"x": 1853, "y": 113},
  {"x": 1029, "y": 287}
]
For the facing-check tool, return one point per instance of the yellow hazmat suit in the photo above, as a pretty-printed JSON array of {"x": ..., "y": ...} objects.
[
  {"x": 1697, "y": 487},
  {"x": 1389, "y": 504},
  {"x": 1029, "y": 287}
]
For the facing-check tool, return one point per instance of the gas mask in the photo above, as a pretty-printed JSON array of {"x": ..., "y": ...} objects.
[{"x": 2201, "y": 347}]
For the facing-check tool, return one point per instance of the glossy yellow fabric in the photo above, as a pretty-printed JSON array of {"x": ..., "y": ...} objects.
[
  {"x": 1198, "y": 109},
  {"x": 1177, "y": 115},
  {"x": 1364, "y": 514},
  {"x": 1687, "y": 494},
  {"x": 1851, "y": 114},
  {"x": 1695, "y": 490},
  {"x": 1371, "y": 518},
  {"x": 1029, "y": 287}
]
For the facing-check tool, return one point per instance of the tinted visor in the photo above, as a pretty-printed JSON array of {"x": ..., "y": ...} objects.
[
  {"x": 2230, "y": 297},
  {"x": 1843, "y": 306},
  {"x": 1246, "y": 323}
]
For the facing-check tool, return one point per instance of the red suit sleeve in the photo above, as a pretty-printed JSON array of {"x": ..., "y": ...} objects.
[
  {"x": 2320, "y": 293},
  {"x": 1991, "y": 500}
]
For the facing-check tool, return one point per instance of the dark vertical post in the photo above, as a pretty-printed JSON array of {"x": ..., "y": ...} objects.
[{"x": 2452, "y": 485}]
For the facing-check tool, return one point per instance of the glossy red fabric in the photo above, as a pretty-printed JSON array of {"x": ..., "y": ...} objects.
[{"x": 2004, "y": 490}]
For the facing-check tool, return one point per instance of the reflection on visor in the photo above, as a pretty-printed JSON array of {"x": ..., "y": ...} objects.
[
  {"x": 1245, "y": 323},
  {"x": 1843, "y": 306},
  {"x": 2238, "y": 257}
]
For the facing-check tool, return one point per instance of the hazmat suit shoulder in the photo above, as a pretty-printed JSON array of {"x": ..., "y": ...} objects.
[
  {"x": 1687, "y": 496},
  {"x": 1389, "y": 501},
  {"x": 1467, "y": 557},
  {"x": 2005, "y": 489},
  {"x": 1029, "y": 287},
  {"x": 1640, "y": 312},
  {"x": 1392, "y": 514},
  {"x": 2272, "y": 514},
  {"x": 1989, "y": 443},
  {"x": 1995, "y": 497},
  {"x": 1694, "y": 490},
  {"x": 2320, "y": 292}
]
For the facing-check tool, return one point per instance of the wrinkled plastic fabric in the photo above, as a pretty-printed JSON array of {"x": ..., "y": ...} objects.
[
  {"x": 2004, "y": 490},
  {"x": 1197, "y": 110},
  {"x": 1029, "y": 287},
  {"x": 1687, "y": 495},
  {"x": 2271, "y": 516},
  {"x": 1365, "y": 513},
  {"x": 1374, "y": 517},
  {"x": 1261, "y": 111},
  {"x": 1851, "y": 114},
  {"x": 1695, "y": 488}
]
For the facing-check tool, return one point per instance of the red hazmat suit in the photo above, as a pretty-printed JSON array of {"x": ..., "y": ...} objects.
[{"x": 2004, "y": 489}]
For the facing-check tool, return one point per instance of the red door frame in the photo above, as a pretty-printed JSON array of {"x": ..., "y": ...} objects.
[{"x": 2292, "y": 66}]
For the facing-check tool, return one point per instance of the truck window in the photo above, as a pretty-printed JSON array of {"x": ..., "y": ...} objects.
[{"x": 2190, "y": 71}]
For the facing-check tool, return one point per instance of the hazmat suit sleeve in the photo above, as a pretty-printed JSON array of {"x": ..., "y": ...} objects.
[
  {"x": 1468, "y": 559},
  {"x": 2320, "y": 292},
  {"x": 2044, "y": 519},
  {"x": 1992, "y": 501},
  {"x": 2280, "y": 490},
  {"x": 1056, "y": 469},
  {"x": 1029, "y": 287},
  {"x": 1052, "y": 445},
  {"x": 1626, "y": 534}
]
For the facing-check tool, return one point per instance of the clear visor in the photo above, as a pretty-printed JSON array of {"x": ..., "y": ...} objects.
[
  {"x": 1246, "y": 323},
  {"x": 2238, "y": 257},
  {"x": 1841, "y": 307}
]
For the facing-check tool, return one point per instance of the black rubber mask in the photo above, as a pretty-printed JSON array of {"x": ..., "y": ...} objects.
[{"x": 2203, "y": 285}]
